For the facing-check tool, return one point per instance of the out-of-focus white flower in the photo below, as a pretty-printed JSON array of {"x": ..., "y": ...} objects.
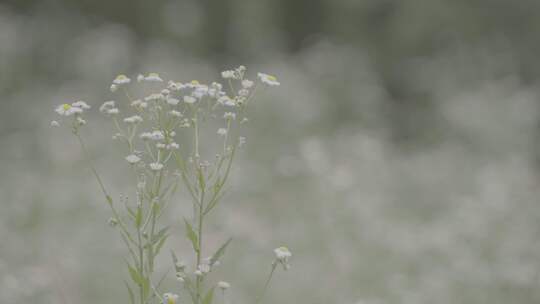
[
  {"x": 282, "y": 256},
  {"x": 113, "y": 111},
  {"x": 172, "y": 101},
  {"x": 121, "y": 79},
  {"x": 155, "y": 135},
  {"x": 153, "y": 77},
  {"x": 156, "y": 166},
  {"x": 113, "y": 88},
  {"x": 222, "y": 131},
  {"x": 170, "y": 298},
  {"x": 165, "y": 92},
  {"x": 241, "y": 141},
  {"x": 80, "y": 121},
  {"x": 229, "y": 115},
  {"x": 140, "y": 77},
  {"x": 228, "y": 74},
  {"x": 204, "y": 268},
  {"x": 133, "y": 159},
  {"x": 139, "y": 104},
  {"x": 107, "y": 105},
  {"x": 268, "y": 79},
  {"x": 200, "y": 91},
  {"x": 223, "y": 285},
  {"x": 133, "y": 119},
  {"x": 81, "y": 104},
  {"x": 55, "y": 123},
  {"x": 174, "y": 86},
  {"x": 246, "y": 83},
  {"x": 244, "y": 120},
  {"x": 190, "y": 99},
  {"x": 282, "y": 253},
  {"x": 226, "y": 101},
  {"x": 160, "y": 145},
  {"x": 243, "y": 92},
  {"x": 175, "y": 113},
  {"x": 173, "y": 146},
  {"x": 155, "y": 97},
  {"x": 198, "y": 273}
]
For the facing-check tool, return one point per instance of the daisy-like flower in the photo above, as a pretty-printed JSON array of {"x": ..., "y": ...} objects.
[
  {"x": 157, "y": 135},
  {"x": 190, "y": 99},
  {"x": 222, "y": 131},
  {"x": 68, "y": 110},
  {"x": 156, "y": 166},
  {"x": 170, "y": 298},
  {"x": 154, "y": 97},
  {"x": 282, "y": 253},
  {"x": 172, "y": 101},
  {"x": 153, "y": 77},
  {"x": 223, "y": 285},
  {"x": 113, "y": 111},
  {"x": 81, "y": 104},
  {"x": 228, "y": 74},
  {"x": 175, "y": 113},
  {"x": 268, "y": 79},
  {"x": 282, "y": 256},
  {"x": 133, "y": 159},
  {"x": 121, "y": 79},
  {"x": 135, "y": 119},
  {"x": 107, "y": 105}
]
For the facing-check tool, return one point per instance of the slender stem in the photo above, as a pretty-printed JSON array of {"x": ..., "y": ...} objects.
[{"x": 258, "y": 299}]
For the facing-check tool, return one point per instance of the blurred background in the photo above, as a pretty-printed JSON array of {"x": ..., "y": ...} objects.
[{"x": 398, "y": 160}]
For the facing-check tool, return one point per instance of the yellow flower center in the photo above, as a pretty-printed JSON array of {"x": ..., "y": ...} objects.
[
  {"x": 272, "y": 78},
  {"x": 121, "y": 77},
  {"x": 66, "y": 107},
  {"x": 194, "y": 82},
  {"x": 171, "y": 301},
  {"x": 283, "y": 248}
]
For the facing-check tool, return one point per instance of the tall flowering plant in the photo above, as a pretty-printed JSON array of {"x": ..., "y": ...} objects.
[{"x": 150, "y": 128}]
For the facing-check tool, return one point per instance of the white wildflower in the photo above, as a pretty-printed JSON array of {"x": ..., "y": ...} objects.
[
  {"x": 175, "y": 113},
  {"x": 173, "y": 146},
  {"x": 172, "y": 101},
  {"x": 228, "y": 74},
  {"x": 106, "y": 106},
  {"x": 198, "y": 273},
  {"x": 156, "y": 166},
  {"x": 160, "y": 145},
  {"x": 243, "y": 92},
  {"x": 282, "y": 253},
  {"x": 223, "y": 285},
  {"x": 156, "y": 135},
  {"x": 121, "y": 79},
  {"x": 133, "y": 119},
  {"x": 133, "y": 159},
  {"x": 165, "y": 92},
  {"x": 113, "y": 111},
  {"x": 204, "y": 268},
  {"x": 140, "y": 77},
  {"x": 222, "y": 131},
  {"x": 268, "y": 79},
  {"x": 55, "y": 123},
  {"x": 81, "y": 104},
  {"x": 190, "y": 99},
  {"x": 229, "y": 115},
  {"x": 153, "y": 77},
  {"x": 170, "y": 298},
  {"x": 113, "y": 88},
  {"x": 241, "y": 141},
  {"x": 154, "y": 97},
  {"x": 246, "y": 83},
  {"x": 80, "y": 121}
]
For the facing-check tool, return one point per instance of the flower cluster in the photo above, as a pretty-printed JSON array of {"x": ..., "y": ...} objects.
[{"x": 161, "y": 133}]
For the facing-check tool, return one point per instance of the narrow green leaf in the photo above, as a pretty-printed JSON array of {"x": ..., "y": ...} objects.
[
  {"x": 135, "y": 276},
  {"x": 219, "y": 253},
  {"x": 192, "y": 236},
  {"x": 160, "y": 244},
  {"x": 138, "y": 217},
  {"x": 209, "y": 297}
]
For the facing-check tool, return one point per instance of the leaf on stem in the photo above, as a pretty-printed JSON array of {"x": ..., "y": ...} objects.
[
  {"x": 191, "y": 235},
  {"x": 219, "y": 253},
  {"x": 209, "y": 297}
]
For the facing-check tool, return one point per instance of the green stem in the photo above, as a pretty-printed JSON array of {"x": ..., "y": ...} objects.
[{"x": 258, "y": 299}]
